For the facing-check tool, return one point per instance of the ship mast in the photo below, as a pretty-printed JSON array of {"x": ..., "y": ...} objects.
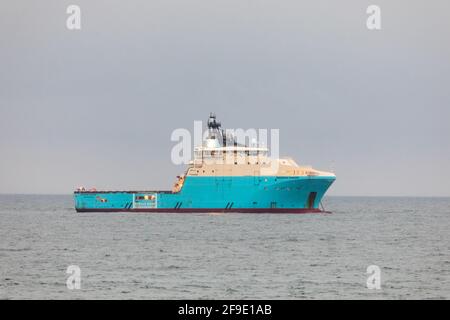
[{"x": 215, "y": 130}]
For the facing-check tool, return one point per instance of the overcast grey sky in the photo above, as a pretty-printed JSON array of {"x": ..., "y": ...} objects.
[{"x": 96, "y": 107}]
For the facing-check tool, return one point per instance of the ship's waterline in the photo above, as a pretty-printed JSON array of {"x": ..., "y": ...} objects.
[{"x": 224, "y": 177}]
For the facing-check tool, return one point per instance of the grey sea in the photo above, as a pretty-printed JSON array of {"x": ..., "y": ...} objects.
[{"x": 226, "y": 256}]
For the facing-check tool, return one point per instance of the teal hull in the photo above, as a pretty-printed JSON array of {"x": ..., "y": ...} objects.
[{"x": 294, "y": 194}]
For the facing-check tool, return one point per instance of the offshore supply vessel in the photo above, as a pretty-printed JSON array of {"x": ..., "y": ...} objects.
[{"x": 224, "y": 176}]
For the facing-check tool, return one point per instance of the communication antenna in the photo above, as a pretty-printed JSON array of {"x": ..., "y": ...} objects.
[{"x": 214, "y": 127}]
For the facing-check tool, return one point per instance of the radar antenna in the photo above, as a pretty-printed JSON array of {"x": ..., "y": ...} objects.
[{"x": 215, "y": 129}]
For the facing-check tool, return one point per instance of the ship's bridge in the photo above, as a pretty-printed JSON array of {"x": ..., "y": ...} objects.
[{"x": 229, "y": 154}]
